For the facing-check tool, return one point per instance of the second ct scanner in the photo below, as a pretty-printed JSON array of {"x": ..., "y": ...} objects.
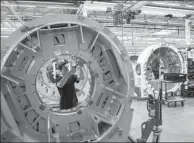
[{"x": 153, "y": 62}]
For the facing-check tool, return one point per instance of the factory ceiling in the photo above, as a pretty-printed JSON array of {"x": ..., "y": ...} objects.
[{"x": 158, "y": 21}]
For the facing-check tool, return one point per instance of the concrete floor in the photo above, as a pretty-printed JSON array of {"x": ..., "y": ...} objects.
[{"x": 178, "y": 122}]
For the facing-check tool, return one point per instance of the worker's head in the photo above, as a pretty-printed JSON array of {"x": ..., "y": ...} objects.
[
  {"x": 57, "y": 70},
  {"x": 63, "y": 67}
]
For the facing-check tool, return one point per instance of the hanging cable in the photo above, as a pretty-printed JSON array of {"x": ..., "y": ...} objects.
[{"x": 122, "y": 26}]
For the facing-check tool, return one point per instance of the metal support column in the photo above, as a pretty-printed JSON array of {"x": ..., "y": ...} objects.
[
  {"x": 85, "y": 8},
  {"x": 187, "y": 39},
  {"x": 187, "y": 32},
  {"x": 85, "y": 12}
]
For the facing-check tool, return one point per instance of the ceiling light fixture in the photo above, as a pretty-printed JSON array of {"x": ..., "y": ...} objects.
[
  {"x": 4, "y": 36},
  {"x": 30, "y": 6}
]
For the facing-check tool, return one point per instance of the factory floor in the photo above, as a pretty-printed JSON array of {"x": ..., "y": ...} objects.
[{"x": 178, "y": 122}]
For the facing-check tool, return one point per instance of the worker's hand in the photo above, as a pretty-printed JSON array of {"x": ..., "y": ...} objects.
[
  {"x": 78, "y": 72},
  {"x": 59, "y": 73},
  {"x": 53, "y": 77},
  {"x": 60, "y": 64},
  {"x": 74, "y": 62}
]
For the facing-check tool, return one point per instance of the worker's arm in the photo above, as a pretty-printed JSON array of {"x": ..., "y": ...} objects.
[
  {"x": 76, "y": 78},
  {"x": 77, "y": 75},
  {"x": 63, "y": 81},
  {"x": 75, "y": 69}
]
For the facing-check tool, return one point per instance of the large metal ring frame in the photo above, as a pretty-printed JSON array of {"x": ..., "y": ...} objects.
[
  {"x": 89, "y": 123},
  {"x": 144, "y": 56}
]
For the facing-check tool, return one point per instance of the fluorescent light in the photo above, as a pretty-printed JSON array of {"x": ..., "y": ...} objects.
[
  {"x": 150, "y": 39},
  {"x": 169, "y": 4},
  {"x": 189, "y": 6},
  {"x": 8, "y": 28},
  {"x": 163, "y": 32},
  {"x": 96, "y": 2},
  {"x": 174, "y": 39},
  {"x": 32, "y": 6},
  {"x": 164, "y": 11},
  {"x": 40, "y": 15},
  {"x": 4, "y": 36},
  {"x": 64, "y": 7},
  {"x": 173, "y": 4},
  {"x": 151, "y": 42},
  {"x": 42, "y": 2}
]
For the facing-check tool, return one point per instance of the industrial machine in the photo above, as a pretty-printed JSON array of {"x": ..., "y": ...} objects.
[
  {"x": 29, "y": 99},
  {"x": 153, "y": 62}
]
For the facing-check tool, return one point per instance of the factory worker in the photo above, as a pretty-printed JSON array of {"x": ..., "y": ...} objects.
[
  {"x": 149, "y": 89},
  {"x": 150, "y": 74},
  {"x": 63, "y": 74},
  {"x": 161, "y": 70}
]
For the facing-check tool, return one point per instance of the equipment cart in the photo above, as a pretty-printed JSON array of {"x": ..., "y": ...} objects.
[{"x": 171, "y": 99}]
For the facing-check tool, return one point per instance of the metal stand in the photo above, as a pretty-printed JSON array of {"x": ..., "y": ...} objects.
[
  {"x": 172, "y": 99},
  {"x": 154, "y": 107}
]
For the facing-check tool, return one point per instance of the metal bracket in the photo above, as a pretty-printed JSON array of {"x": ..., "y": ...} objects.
[{"x": 26, "y": 28}]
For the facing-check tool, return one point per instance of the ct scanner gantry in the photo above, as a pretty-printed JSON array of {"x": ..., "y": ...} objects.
[{"x": 28, "y": 98}]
